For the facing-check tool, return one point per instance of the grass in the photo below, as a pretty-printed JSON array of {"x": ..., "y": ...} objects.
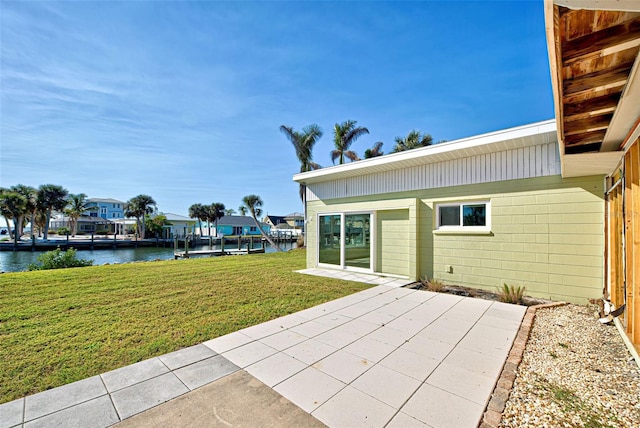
[
  {"x": 572, "y": 404},
  {"x": 60, "y": 326}
]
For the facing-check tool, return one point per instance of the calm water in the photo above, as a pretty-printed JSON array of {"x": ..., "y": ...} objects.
[{"x": 18, "y": 261}]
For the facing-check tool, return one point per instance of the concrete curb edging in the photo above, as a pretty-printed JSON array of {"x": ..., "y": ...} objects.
[{"x": 493, "y": 412}]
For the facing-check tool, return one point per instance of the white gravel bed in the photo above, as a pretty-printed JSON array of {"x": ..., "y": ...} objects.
[{"x": 575, "y": 372}]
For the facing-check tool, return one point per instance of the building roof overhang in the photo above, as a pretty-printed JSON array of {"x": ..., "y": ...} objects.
[
  {"x": 593, "y": 48},
  {"x": 512, "y": 138}
]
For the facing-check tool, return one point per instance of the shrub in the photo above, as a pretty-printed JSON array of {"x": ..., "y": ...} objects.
[
  {"x": 58, "y": 259},
  {"x": 432, "y": 284},
  {"x": 511, "y": 294},
  {"x": 63, "y": 231}
]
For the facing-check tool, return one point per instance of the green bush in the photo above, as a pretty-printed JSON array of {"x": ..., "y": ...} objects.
[
  {"x": 63, "y": 231},
  {"x": 58, "y": 259}
]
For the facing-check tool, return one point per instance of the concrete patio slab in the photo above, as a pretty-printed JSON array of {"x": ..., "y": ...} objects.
[
  {"x": 145, "y": 395},
  {"x": 389, "y": 386},
  {"x": 442, "y": 409},
  {"x": 238, "y": 400},
  {"x": 96, "y": 413},
  {"x": 343, "y": 366},
  {"x": 402, "y": 420},
  {"x": 353, "y": 408},
  {"x": 186, "y": 356},
  {"x": 463, "y": 383},
  {"x": 205, "y": 371},
  {"x": 309, "y": 389},
  {"x": 56, "y": 399},
  {"x": 411, "y": 364},
  {"x": 248, "y": 354},
  {"x": 382, "y": 356},
  {"x": 310, "y": 351},
  {"x": 228, "y": 342},
  {"x": 12, "y": 413},
  {"x": 276, "y": 368},
  {"x": 370, "y": 349},
  {"x": 135, "y": 373}
]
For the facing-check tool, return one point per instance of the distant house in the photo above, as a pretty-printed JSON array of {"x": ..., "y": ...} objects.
[
  {"x": 295, "y": 220},
  {"x": 106, "y": 208},
  {"x": 235, "y": 225},
  {"x": 86, "y": 224},
  {"x": 180, "y": 225},
  {"x": 274, "y": 220}
]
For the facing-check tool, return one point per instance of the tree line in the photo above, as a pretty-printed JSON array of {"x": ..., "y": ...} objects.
[{"x": 21, "y": 204}]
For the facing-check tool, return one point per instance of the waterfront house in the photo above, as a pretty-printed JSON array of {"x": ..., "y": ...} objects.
[
  {"x": 106, "y": 208},
  {"x": 274, "y": 220},
  {"x": 479, "y": 212},
  {"x": 180, "y": 226},
  {"x": 295, "y": 220},
  {"x": 235, "y": 225},
  {"x": 552, "y": 206},
  {"x": 86, "y": 224}
]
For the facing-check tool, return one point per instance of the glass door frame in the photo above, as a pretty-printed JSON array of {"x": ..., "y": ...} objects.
[{"x": 372, "y": 241}]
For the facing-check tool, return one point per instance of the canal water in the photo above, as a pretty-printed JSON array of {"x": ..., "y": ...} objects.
[{"x": 11, "y": 261}]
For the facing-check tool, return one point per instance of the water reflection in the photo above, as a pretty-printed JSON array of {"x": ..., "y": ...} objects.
[{"x": 19, "y": 260}]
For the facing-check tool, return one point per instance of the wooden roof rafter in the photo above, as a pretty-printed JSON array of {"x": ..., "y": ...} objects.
[{"x": 594, "y": 51}]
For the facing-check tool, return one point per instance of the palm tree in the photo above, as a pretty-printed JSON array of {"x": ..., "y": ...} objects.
[
  {"x": 198, "y": 211},
  {"x": 229, "y": 211},
  {"x": 4, "y": 210},
  {"x": 242, "y": 210},
  {"x": 138, "y": 207},
  {"x": 51, "y": 197},
  {"x": 303, "y": 143},
  {"x": 345, "y": 134},
  {"x": 374, "y": 151},
  {"x": 413, "y": 140},
  {"x": 76, "y": 206},
  {"x": 253, "y": 203},
  {"x": 31, "y": 194},
  {"x": 13, "y": 205},
  {"x": 217, "y": 212}
]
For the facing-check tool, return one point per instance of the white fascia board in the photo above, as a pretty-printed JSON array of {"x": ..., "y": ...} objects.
[
  {"x": 521, "y": 136},
  {"x": 626, "y": 116},
  {"x": 621, "y": 5}
]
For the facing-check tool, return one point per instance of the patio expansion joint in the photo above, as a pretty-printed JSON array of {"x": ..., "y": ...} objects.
[{"x": 492, "y": 415}]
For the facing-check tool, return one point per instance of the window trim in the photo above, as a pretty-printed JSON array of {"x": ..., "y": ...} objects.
[{"x": 486, "y": 229}]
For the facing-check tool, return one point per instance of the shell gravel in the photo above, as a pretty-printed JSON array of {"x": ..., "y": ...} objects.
[{"x": 575, "y": 372}]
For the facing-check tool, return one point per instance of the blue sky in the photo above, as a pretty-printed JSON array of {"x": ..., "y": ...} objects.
[{"x": 183, "y": 100}]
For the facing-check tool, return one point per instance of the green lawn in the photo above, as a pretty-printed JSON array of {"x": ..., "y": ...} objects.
[{"x": 60, "y": 326}]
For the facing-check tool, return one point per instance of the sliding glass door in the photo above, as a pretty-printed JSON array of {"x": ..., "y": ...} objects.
[
  {"x": 344, "y": 240},
  {"x": 357, "y": 246},
  {"x": 329, "y": 246}
]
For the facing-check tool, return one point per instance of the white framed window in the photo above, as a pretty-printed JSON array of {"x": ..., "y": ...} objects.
[{"x": 465, "y": 216}]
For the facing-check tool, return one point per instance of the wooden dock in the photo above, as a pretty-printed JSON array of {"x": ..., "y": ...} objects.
[{"x": 243, "y": 251}]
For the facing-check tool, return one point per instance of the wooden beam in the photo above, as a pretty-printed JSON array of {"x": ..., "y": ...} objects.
[
  {"x": 587, "y": 125},
  {"x": 592, "y": 82},
  {"x": 603, "y": 102},
  {"x": 621, "y": 36},
  {"x": 586, "y": 138}
]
